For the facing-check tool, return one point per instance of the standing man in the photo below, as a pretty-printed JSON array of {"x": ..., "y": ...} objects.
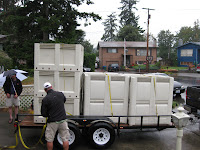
[
  {"x": 53, "y": 108},
  {"x": 13, "y": 89}
]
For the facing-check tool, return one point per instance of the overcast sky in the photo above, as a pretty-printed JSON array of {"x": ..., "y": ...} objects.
[{"x": 168, "y": 14}]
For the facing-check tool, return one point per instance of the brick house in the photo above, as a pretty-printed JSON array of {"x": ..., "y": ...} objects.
[{"x": 113, "y": 52}]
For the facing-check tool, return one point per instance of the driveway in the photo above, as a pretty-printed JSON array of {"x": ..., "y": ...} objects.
[{"x": 128, "y": 140}]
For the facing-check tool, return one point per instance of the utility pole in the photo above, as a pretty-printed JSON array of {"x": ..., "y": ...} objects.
[
  {"x": 124, "y": 52},
  {"x": 147, "y": 64}
]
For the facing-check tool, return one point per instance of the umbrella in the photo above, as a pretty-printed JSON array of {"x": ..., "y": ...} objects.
[
  {"x": 11, "y": 72},
  {"x": 2, "y": 80}
]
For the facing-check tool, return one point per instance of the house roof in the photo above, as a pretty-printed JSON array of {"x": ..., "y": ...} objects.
[
  {"x": 196, "y": 43},
  {"x": 128, "y": 44}
]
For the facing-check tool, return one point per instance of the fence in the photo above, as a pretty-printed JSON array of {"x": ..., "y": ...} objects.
[{"x": 26, "y": 97}]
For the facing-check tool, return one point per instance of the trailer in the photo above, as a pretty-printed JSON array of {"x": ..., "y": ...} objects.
[
  {"x": 100, "y": 104},
  {"x": 101, "y": 131}
]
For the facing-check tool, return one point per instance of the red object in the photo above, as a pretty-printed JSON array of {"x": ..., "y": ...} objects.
[{"x": 186, "y": 94}]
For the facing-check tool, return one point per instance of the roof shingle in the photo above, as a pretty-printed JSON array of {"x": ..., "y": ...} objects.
[{"x": 128, "y": 44}]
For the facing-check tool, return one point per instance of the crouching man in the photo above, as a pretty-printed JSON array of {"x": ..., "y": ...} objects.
[{"x": 53, "y": 108}]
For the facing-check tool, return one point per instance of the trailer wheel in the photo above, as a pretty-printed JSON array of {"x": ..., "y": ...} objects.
[
  {"x": 73, "y": 139},
  {"x": 101, "y": 135}
]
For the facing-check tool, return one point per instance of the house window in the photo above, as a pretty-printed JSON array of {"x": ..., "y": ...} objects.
[
  {"x": 186, "y": 63},
  {"x": 112, "y": 50},
  {"x": 187, "y": 52},
  {"x": 142, "y": 52}
]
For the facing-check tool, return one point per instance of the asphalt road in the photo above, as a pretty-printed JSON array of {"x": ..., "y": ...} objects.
[{"x": 128, "y": 140}]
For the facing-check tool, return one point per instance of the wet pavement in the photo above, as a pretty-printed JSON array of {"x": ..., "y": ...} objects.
[{"x": 129, "y": 139}]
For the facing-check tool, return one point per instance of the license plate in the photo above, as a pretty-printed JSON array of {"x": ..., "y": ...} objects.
[{"x": 178, "y": 91}]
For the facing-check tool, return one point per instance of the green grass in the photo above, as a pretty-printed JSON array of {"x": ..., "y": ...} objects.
[
  {"x": 177, "y": 68},
  {"x": 175, "y": 104},
  {"x": 29, "y": 80}
]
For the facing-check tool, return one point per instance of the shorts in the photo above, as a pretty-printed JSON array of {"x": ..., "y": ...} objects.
[
  {"x": 12, "y": 101},
  {"x": 53, "y": 127}
]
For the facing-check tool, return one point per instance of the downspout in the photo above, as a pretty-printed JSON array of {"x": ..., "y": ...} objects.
[{"x": 196, "y": 57}]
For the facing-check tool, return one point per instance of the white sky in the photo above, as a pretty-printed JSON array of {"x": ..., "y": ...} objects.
[{"x": 168, "y": 14}]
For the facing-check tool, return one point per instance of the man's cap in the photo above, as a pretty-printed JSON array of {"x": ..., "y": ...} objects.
[{"x": 47, "y": 85}]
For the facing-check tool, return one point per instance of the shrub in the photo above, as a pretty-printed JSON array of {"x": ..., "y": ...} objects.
[{"x": 5, "y": 61}]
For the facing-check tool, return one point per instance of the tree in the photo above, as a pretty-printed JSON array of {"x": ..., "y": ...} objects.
[
  {"x": 5, "y": 60},
  {"x": 189, "y": 34},
  {"x": 6, "y": 5},
  {"x": 129, "y": 22},
  {"x": 127, "y": 16},
  {"x": 130, "y": 33},
  {"x": 88, "y": 48},
  {"x": 36, "y": 20},
  {"x": 165, "y": 43},
  {"x": 109, "y": 27}
]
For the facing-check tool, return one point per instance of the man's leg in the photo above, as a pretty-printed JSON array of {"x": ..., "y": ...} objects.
[
  {"x": 10, "y": 112},
  {"x": 66, "y": 145},
  {"x": 50, "y": 145},
  {"x": 16, "y": 111}
]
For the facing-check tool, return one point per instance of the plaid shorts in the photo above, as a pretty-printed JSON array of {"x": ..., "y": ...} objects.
[
  {"x": 12, "y": 101},
  {"x": 53, "y": 127}
]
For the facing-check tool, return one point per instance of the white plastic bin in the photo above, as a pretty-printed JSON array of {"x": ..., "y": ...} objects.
[
  {"x": 66, "y": 82},
  {"x": 58, "y": 57},
  {"x": 150, "y": 95},
  {"x": 97, "y": 95}
]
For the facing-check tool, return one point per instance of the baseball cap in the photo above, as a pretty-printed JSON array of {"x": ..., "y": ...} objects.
[{"x": 47, "y": 85}]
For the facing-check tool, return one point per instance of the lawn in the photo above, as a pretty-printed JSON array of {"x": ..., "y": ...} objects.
[
  {"x": 29, "y": 80},
  {"x": 176, "y": 68}
]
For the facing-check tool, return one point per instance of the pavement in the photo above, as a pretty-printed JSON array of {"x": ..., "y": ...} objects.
[{"x": 128, "y": 140}]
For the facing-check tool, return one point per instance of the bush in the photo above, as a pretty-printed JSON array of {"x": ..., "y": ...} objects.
[
  {"x": 5, "y": 61},
  {"x": 89, "y": 61}
]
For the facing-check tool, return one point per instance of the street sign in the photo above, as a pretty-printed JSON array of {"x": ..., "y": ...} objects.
[{"x": 149, "y": 58}]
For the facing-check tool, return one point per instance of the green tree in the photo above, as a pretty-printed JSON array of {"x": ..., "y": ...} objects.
[
  {"x": 37, "y": 21},
  {"x": 88, "y": 48},
  {"x": 127, "y": 16},
  {"x": 186, "y": 34},
  {"x": 130, "y": 30},
  {"x": 110, "y": 27},
  {"x": 130, "y": 33},
  {"x": 89, "y": 60},
  {"x": 5, "y": 60},
  {"x": 189, "y": 34},
  {"x": 6, "y": 5},
  {"x": 165, "y": 43}
]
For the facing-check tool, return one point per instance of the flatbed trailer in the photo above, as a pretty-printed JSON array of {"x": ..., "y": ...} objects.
[{"x": 100, "y": 130}]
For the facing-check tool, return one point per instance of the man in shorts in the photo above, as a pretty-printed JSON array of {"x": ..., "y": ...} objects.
[
  {"x": 13, "y": 89},
  {"x": 53, "y": 108}
]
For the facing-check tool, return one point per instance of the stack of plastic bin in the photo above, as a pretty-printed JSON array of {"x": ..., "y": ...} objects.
[{"x": 62, "y": 66}]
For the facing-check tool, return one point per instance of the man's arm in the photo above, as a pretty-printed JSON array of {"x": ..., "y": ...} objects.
[
  {"x": 5, "y": 86},
  {"x": 44, "y": 108}
]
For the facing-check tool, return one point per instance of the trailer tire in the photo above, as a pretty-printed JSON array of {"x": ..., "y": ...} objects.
[
  {"x": 73, "y": 139},
  {"x": 101, "y": 135}
]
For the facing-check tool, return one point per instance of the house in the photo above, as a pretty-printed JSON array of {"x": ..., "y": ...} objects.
[
  {"x": 188, "y": 54},
  {"x": 113, "y": 52}
]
